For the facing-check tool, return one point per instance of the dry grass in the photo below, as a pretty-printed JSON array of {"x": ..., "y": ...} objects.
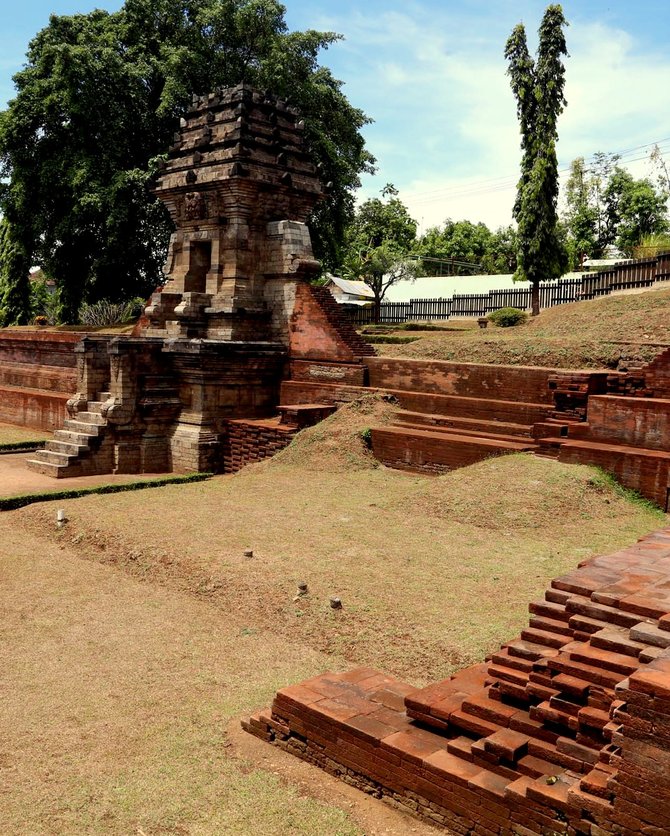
[
  {"x": 134, "y": 635},
  {"x": 11, "y": 434},
  {"x": 598, "y": 334}
]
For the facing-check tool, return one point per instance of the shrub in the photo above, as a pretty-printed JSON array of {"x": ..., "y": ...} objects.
[
  {"x": 105, "y": 313},
  {"x": 507, "y": 317}
]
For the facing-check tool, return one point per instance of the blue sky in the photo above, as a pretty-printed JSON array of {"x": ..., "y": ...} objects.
[{"x": 432, "y": 76}]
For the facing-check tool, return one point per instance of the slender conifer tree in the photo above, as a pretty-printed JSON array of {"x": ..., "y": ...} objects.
[{"x": 538, "y": 86}]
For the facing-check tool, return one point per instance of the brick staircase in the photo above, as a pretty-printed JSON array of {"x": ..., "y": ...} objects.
[
  {"x": 79, "y": 448},
  {"x": 557, "y": 732},
  {"x": 341, "y": 322}
]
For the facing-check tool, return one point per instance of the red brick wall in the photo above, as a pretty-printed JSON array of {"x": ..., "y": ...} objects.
[
  {"x": 251, "y": 441},
  {"x": 311, "y": 335},
  {"x": 520, "y": 383},
  {"x": 37, "y": 376},
  {"x": 640, "y": 422}
]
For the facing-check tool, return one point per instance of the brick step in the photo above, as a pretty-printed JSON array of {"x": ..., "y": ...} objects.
[
  {"x": 71, "y": 437},
  {"x": 590, "y": 674},
  {"x": 547, "y": 609},
  {"x": 90, "y": 417},
  {"x": 477, "y": 425},
  {"x": 550, "y": 639},
  {"x": 581, "y": 605},
  {"x": 54, "y": 457},
  {"x": 465, "y": 432},
  {"x": 599, "y": 658},
  {"x": 550, "y": 625},
  {"x": 606, "y": 447},
  {"x": 618, "y": 640},
  {"x": 456, "y": 406},
  {"x": 529, "y": 650}
]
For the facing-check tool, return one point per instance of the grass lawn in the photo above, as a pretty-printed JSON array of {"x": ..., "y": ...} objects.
[
  {"x": 595, "y": 334},
  {"x": 11, "y": 434},
  {"x": 136, "y": 637}
]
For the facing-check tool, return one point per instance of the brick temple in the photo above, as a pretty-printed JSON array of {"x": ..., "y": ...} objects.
[{"x": 197, "y": 386}]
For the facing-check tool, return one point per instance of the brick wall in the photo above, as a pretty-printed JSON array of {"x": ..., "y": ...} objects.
[
  {"x": 639, "y": 422},
  {"x": 37, "y": 376},
  {"x": 319, "y": 330},
  {"x": 522, "y": 383},
  {"x": 247, "y": 442}
]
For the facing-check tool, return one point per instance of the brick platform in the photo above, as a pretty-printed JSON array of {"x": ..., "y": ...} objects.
[{"x": 564, "y": 730}]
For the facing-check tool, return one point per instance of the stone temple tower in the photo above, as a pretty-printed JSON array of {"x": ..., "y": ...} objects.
[
  {"x": 239, "y": 186},
  {"x": 236, "y": 316}
]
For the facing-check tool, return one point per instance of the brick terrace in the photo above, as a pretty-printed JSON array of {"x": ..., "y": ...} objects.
[{"x": 564, "y": 730}]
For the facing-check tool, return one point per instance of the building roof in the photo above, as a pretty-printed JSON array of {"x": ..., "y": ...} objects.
[{"x": 351, "y": 287}]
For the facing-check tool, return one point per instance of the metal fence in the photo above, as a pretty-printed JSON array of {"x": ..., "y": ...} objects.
[{"x": 642, "y": 272}]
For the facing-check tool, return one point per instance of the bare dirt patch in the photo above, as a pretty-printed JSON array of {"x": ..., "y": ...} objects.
[{"x": 137, "y": 634}]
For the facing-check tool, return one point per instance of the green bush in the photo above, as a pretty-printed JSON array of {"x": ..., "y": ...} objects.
[
  {"x": 105, "y": 313},
  {"x": 507, "y": 317}
]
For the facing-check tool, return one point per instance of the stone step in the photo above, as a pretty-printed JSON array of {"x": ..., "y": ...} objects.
[
  {"x": 70, "y": 448},
  {"x": 91, "y": 417},
  {"x": 104, "y": 396},
  {"x": 94, "y": 406},
  {"x": 79, "y": 439},
  {"x": 53, "y": 470},
  {"x": 54, "y": 457},
  {"x": 82, "y": 427}
]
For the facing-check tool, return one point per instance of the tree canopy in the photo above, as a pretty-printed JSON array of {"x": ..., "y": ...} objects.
[
  {"x": 98, "y": 101},
  {"x": 450, "y": 247},
  {"x": 379, "y": 241},
  {"x": 606, "y": 205},
  {"x": 538, "y": 89}
]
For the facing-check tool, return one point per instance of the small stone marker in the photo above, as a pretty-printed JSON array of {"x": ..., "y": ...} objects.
[
  {"x": 302, "y": 589},
  {"x": 248, "y": 552},
  {"x": 335, "y": 603},
  {"x": 61, "y": 519}
]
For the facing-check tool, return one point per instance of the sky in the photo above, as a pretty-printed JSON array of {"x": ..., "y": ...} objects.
[{"x": 432, "y": 77}]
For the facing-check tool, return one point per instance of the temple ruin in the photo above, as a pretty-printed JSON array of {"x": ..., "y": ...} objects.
[{"x": 237, "y": 307}]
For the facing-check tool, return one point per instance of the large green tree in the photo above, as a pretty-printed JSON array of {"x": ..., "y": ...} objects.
[
  {"x": 379, "y": 242},
  {"x": 98, "y": 101},
  {"x": 538, "y": 88}
]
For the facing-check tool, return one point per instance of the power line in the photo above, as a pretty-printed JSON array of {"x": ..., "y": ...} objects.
[{"x": 506, "y": 182}]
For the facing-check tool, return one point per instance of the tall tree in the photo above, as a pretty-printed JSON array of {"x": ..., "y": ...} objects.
[
  {"x": 15, "y": 305},
  {"x": 538, "y": 88},
  {"x": 98, "y": 101},
  {"x": 378, "y": 243}
]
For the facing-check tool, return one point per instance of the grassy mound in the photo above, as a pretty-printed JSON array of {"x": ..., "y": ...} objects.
[
  {"x": 617, "y": 331},
  {"x": 523, "y": 492},
  {"x": 340, "y": 442}
]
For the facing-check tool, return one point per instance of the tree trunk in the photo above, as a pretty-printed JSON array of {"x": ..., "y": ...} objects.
[
  {"x": 535, "y": 298},
  {"x": 377, "y": 309}
]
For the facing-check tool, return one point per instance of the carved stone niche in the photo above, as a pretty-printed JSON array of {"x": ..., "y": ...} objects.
[{"x": 195, "y": 206}]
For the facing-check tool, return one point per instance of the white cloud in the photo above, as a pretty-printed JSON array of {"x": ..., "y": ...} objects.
[{"x": 446, "y": 131}]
